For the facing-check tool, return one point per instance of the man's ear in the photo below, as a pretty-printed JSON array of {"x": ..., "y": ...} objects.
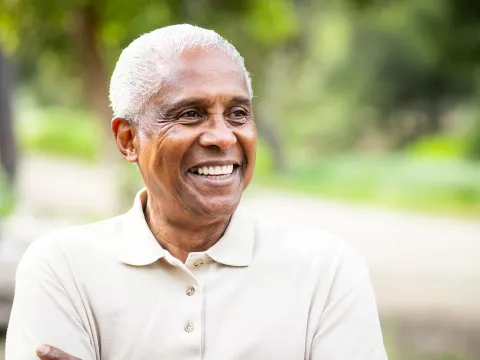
[{"x": 125, "y": 137}]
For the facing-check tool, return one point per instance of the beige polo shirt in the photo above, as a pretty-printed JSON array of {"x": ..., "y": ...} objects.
[{"x": 263, "y": 292}]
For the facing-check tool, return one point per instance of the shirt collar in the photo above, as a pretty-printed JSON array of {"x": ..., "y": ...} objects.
[
  {"x": 235, "y": 247},
  {"x": 138, "y": 246}
]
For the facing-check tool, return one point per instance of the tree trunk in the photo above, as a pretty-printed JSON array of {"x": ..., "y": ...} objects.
[
  {"x": 8, "y": 155},
  {"x": 272, "y": 138},
  {"x": 275, "y": 75},
  {"x": 95, "y": 78}
]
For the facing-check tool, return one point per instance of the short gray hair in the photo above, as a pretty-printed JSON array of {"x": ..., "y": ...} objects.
[{"x": 141, "y": 69}]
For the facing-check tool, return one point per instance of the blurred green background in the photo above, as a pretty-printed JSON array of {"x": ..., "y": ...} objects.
[
  {"x": 371, "y": 101},
  {"x": 359, "y": 100}
]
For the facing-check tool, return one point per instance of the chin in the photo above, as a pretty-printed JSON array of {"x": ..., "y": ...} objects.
[{"x": 219, "y": 207}]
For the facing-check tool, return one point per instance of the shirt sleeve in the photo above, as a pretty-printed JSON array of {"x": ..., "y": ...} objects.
[
  {"x": 44, "y": 310},
  {"x": 349, "y": 326}
]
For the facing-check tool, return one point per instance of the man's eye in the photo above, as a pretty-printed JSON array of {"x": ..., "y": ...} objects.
[
  {"x": 190, "y": 114},
  {"x": 238, "y": 114}
]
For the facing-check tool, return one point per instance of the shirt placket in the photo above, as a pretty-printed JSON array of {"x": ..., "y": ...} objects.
[
  {"x": 196, "y": 265},
  {"x": 199, "y": 265}
]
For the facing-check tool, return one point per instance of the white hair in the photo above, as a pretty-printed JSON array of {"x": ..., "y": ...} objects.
[{"x": 141, "y": 69}]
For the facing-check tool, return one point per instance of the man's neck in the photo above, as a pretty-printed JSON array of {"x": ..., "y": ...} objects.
[{"x": 181, "y": 238}]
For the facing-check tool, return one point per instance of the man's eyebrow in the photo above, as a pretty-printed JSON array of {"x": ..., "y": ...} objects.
[
  {"x": 241, "y": 100},
  {"x": 169, "y": 109},
  {"x": 193, "y": 102},
  {"x": 184, "y": 103}
]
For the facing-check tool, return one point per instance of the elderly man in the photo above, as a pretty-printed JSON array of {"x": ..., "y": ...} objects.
[{"x": 186, "y": 273}]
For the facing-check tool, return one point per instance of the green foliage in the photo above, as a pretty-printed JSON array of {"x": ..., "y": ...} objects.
[
  {"x": 472, "y": 142},
  {"x": 264, "y": 164},
  {"x": 442, "y": 186},
  {"x": 6, "y": 196},
  {"x": 272, "y": 21},
  {"x": 439, "y": 147},
  {"x": 61, "y": 132},
  {"x": 383, "y": 70}
]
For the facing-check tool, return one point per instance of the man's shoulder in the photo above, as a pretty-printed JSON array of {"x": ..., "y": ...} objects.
[
  {"x": 76, "y": 243},
  {"x": 313, "y": 251},
  {"x": 299, "y": 242},
  {"x": 82, "y": 235}
]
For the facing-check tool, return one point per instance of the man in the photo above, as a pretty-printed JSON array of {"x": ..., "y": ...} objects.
[{"x": 185, "y": 274}]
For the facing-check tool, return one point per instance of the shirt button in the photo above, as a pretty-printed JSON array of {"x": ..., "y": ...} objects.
[
  {"x": 198, "y": 263},
  {"x": 190, "y": 291},
  {"x": 189, "y": 328}
]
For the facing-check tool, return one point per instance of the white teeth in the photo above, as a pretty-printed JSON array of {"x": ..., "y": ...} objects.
[{"x": 214, "y": 170}]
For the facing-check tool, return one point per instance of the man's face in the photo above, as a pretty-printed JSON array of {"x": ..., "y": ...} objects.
[{"x": 196, "y": 146}]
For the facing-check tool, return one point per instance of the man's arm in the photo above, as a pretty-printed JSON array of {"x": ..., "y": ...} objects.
[
  {"x": 349, "y": 327},
  {"x": 47, "y": 352},
  {"x": 43, "y": 309}
]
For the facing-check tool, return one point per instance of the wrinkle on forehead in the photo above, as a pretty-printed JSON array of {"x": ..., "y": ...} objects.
[{"x": 193, "y": 85}]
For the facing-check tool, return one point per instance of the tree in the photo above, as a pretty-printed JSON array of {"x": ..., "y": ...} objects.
[
  {"x": 427, "y": 62},
  {"x": 388, "y": 69},
  {"x": 8, "y": 156}
]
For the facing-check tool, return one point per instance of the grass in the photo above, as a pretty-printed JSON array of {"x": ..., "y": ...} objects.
[
  {"x": 6, "y": 197},
  {"x": 59, "y": 131},
  {"x": 438, "y": 186}
]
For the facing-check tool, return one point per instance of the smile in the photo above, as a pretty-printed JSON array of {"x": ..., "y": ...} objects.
[{"x": 214, "y": 172}]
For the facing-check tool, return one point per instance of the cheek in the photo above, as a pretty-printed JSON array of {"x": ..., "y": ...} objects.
[
  {"x": 177, "y": 141},
  {"x": 168, "y": 146},
  {"x": 248, "y": 139},
  {"x": 154, "y": 144}
]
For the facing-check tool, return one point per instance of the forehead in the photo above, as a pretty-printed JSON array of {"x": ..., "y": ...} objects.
[{"x": 204, "y": 74}]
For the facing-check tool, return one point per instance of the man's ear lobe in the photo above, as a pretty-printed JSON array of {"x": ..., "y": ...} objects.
[
  {"x": 132, "y": 155},
  {"x": 125, "y": 138}
]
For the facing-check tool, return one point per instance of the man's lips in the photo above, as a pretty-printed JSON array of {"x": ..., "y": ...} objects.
[
  {"x": 215, "y": 173},
  {"x": 219, "y": 167},
  {"x": 213, "y": 170}
]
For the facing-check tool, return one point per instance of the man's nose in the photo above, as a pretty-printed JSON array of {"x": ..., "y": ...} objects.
[{"x": 218, "y": 134}]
